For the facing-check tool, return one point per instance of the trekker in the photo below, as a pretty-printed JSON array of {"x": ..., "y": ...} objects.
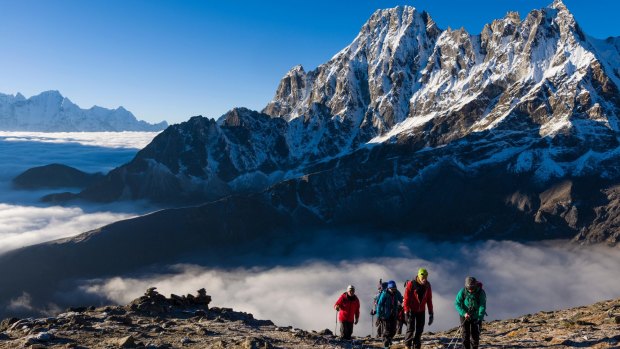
[
  {"x": 387, "y": 310},
  {"x": 348, "y": 308},
  {"x": 471, "y": 303},
  {"x": 382, "y": 287},
  {"x": 418, "y": 296},
  {"x": 401, "y": 320}
]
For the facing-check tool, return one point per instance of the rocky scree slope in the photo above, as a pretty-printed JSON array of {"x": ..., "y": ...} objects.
[
  {"x": 51, "y": 112},
  {"x": 528, "y": 104},
  {"x": 154, "y": 321}
]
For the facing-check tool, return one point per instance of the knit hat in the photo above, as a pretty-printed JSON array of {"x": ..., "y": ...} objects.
[
  {"x": 422, "y": 272},
  {"x": 470, "y": 282},
  {"x": 391, "y": 284}
]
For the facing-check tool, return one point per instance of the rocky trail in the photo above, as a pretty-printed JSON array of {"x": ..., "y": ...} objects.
[{"x": 156, "y": 322}]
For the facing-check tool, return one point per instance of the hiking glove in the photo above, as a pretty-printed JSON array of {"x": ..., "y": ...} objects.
[
  {"x": 337, "y": 308},
  {"x": 356, "y": 320},
  {"x": 430, "y": 319}
]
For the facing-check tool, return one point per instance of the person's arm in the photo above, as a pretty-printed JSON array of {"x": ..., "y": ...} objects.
[
  {"x": 357, "y": 311},
  {"x": 429, "y": 300},
  {"x": 406, "y": 299},
  {"x": 482, "y": 310},
  {"x": 458, "y": 303},
  {"x": 380, "y": 304},
  {"x": 338, "y": 304}
]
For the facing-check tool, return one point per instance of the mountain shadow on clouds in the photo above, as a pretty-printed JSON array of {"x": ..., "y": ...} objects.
[{"x": 87, "y": 158}]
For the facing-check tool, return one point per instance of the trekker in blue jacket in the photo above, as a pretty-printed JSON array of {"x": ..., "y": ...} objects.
[{"x": 387, "y": 310}]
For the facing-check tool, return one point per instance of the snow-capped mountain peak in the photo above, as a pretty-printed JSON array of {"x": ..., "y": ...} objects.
[{"x": 51, "y": 111}]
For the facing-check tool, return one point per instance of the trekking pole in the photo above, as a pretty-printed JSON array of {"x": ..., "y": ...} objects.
[
  {"x": 336, "y": 325},
  {"x": 454, "y": 339},
  {"x": 372, "y": 324}
]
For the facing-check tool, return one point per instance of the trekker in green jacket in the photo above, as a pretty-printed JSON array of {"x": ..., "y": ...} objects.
[{"x": 471, "y": 304}]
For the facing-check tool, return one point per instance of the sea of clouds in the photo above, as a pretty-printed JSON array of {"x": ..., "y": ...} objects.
[
  {"x": 518, "y": 278},
  {"x": 24, "y": 220}
]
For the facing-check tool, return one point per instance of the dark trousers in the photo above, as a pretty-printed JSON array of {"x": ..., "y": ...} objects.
[
  {"x": 346, "y": 330},
  {"x": 379, "y": 328},
  {"x": 471, "y": 333},
  {"x": 399, "y": 325},
  {"x": 415, "y": 326},
  {"x": 389, "y": 330}
]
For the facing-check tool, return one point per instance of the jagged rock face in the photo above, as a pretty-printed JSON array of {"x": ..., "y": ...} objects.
[
  {"x": 364, "y": 90},
  {"x": 532, "y": 100},
  {"x": 51, "y": 112},
  {"x": 201, "y": 159}
]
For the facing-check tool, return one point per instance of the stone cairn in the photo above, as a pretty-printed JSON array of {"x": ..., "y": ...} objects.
[{"x": 155, "y": 303}]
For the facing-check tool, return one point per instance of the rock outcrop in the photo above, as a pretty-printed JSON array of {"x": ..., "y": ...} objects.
[
  {"x": 54, "y": 176},
  {"x": 157, "y": 322}
]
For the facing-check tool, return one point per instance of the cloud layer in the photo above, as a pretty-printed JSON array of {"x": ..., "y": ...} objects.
[
  {"x": 27, "y": 225},
  {"x": 23, "y": 219},
  {"x": 518, "y": 278}
]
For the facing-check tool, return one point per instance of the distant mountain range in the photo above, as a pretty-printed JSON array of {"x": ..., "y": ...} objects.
[{"x": 51, "y": 112}]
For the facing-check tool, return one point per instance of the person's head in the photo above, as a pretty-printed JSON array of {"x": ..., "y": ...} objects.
[
  {"x": 391, "y": 285},
  {"x": 384, "y": 286},
  {"x": 471, "y": 283},
  {"x": 350, "y": 290},
  {"x": 422, "y": 275}
]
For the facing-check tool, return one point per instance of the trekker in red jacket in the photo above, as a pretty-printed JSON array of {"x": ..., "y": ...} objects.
[
  {"x": 418, "y": 295},
  {"x": 348, "y": 308}
]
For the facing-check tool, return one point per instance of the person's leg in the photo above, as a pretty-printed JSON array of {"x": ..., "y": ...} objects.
[
  {"x": 392, "y": 326},
  {"x": 466, "y": 333},
  {"x": 475, "y": 334},
  {"x": 349, "y": 330},
  {"x": 385, "y": 324},
  {"x": 379, "y": 328},
  {"x": 410, "y": 331},
  {"x": 419, "y": 328}
]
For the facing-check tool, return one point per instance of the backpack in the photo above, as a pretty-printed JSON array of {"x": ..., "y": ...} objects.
[{"x": 380, "y": 288}]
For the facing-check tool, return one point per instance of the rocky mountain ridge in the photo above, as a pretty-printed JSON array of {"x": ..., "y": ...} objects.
[
  {"x": 49, "y": 111},
  {"x": 156, "y": 322},
  {"x": 526, "y": 105},
  {"x": 54, "y": 176}
]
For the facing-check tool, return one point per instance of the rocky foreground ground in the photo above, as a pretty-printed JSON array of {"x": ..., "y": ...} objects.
[{"x": 156, "y": 322}]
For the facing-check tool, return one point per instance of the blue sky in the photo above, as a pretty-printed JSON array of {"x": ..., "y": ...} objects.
[{"x": 165, "y": 59}]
